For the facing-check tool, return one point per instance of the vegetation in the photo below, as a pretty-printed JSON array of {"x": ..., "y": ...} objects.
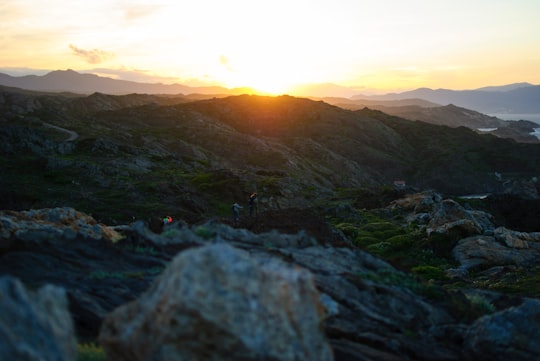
[
  {"x": 427, "y": 259},
  {"x": 90, "y": 352}
]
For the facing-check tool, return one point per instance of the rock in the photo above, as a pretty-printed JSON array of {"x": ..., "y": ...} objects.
[
  {"x": 516, "y": 239},
  {"x": 35, "y": 326},
  {"x": 68, "y": 248},
  {"x": 444, "y": 216},
  {"x": 50, "y": 223},
  {"x": 511, "y": 334},
  {"x": 374, "y": 317},
  {"x": 486, "y": 251},
  {"x": 418, "y": 202},
  {"x": 523, "y": 188},
  {"x": 218, "y": 303},
  {"x": 449, "y": 216}
]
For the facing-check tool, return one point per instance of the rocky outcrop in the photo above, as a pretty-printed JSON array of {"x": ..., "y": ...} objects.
[
  {"x": 54, "y": 223},
  {"x": 506, "y": 335},
  {"x": 67, "y": 248},
  {"x": 478, "y": 244},
  {"x": 35, "y": 326},
  {"x": 505, "y": 247},
  {"x": 251, "y": 291},
  {"x": 443, "y": 216},
  {"x": 218, "y": 303}
]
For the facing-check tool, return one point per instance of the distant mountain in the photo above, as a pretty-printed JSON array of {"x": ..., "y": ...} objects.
[
  {"x": 521, "y": 98},
  {"x": 355, "y": 104},
  {"x": 72, "y": 81},
  {"x": 504, "y": 88}
]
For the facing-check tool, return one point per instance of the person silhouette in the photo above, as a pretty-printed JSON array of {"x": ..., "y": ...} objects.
[
  {"x": 235, "y": 208},
  {"x": 253, "y": 207}
]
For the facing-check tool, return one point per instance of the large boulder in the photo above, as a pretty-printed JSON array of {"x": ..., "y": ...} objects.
[
  {"x": 511, "y": 334},
  {"x": 35, "y": 326},
  {"x": 68, "y": 248},
  {"x": 218, "y": 303}
]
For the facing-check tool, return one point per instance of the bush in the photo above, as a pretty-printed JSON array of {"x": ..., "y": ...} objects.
[
  {"x": 401, "y": 242},
  {"x": 430, "y": 272},
  {"x": 90, "y": 352},
  {"x": 348, "y": 229},
  {"x": 365, "y": 241}
]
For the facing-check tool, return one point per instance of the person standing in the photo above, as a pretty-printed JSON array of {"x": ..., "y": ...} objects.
[
  {"x": 253, "y": 204},
  {"x": 236, "y": 214}
]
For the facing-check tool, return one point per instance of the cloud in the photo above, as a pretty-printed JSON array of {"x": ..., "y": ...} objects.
[{"x": 94, "y": 56}]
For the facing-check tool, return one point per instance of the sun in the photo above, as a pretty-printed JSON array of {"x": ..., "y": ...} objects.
[
  {"x": 266, "y": 74},
  {"x": 262, "y": 82}
]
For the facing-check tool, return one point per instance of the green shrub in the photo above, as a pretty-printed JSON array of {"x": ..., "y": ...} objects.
[
  {"x": 481, "y": 304},
  {"x": 365, "y": 241},
  {"x": 90, "y": 352},
  {"x": 388, "y": 233},
  {"x": 378, "y": 248},
  {"x": 429, "y": 272},
  {"x": 401, "y": 242},
  {"x": 348, "y": 229},
  {"x": 378, "y": 226}
]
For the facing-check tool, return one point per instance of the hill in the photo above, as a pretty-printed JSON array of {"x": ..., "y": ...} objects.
[
  {"x": 521, "y": 98},
  {"x": 449, "y": 115},
  {"x": 194, "y": 158}
]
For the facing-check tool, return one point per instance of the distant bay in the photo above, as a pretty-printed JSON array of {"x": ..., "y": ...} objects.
[{"x": 535, "y": 117}]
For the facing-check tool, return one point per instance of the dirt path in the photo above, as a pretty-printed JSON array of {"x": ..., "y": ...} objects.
[{"x": 72, "y": 135}]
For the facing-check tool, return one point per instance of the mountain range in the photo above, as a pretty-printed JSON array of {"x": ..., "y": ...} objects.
[
  {"x": 72, "y": 81},
  {"x": 518, "y": 98}
]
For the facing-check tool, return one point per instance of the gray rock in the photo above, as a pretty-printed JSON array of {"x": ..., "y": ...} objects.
[
  {"x": 515, "y": 239},
  {"x": 511, "y": 334},
  {"x": 35, "y": 326},
  {"x": 486, "y": 251},
  {"x": 219, "y": 303},
  {"x": 52, "y": 223}
]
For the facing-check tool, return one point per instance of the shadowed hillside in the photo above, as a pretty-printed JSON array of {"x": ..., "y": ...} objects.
[{"x": 136, "y": 156}]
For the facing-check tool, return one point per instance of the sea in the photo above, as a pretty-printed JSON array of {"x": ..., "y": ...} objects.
[{"x": 531, "y": 117}]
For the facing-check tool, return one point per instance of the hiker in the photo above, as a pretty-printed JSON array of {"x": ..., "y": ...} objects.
[
  {"x": 167, "y": 220},
  {"x": 253, "y": 204},
  {"x": 235, "y": 207}
]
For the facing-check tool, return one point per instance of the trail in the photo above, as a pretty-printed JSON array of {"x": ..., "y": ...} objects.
[{"x": 72, "y": 135}]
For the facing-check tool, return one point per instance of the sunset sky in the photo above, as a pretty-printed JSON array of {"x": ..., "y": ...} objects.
[{"x": 368, "y": 45}]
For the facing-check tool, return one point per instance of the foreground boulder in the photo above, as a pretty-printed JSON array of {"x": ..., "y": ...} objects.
[
  {"x": 68, "y": 248},
  {"x": 35, "y": 326},
  {"x": 511, "y": 334},
  {"x": 219, "y": 303}
]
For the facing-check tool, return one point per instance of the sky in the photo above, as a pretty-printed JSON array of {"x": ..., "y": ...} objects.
[{"x": 369, "y": 46}]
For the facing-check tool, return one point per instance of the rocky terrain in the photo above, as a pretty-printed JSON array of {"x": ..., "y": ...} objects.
[
  {"x": 340, "y": 261},
  {"x": 210, "y": 291}
]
